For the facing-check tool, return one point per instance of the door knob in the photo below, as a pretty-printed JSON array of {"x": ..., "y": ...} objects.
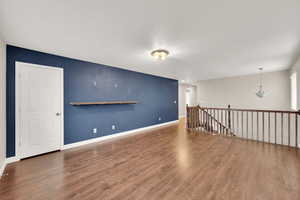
[{"x": 57, "y": 114}]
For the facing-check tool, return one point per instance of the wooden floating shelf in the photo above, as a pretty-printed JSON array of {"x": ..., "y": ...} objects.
[{"x": 102, "y": 103}]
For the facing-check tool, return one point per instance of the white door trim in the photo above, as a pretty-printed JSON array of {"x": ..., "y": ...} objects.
[{"x": 17, "y": 120}]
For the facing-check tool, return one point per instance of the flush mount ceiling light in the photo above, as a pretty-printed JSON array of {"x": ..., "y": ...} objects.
[{"x": 160, "y": 54}]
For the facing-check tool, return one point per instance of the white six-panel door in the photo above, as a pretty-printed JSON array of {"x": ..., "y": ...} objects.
[{"x": 39, "y": 109}]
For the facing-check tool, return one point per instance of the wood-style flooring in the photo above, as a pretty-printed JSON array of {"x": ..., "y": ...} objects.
[{"x": 167, "y": 163}]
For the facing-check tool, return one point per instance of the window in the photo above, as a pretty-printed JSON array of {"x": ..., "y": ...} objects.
[{"x": 294, "y": 99}]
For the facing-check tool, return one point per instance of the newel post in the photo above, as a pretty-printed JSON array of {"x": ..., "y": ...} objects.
[
  {"x": 187, "y": 116},
  {"x": 229, "y": 118}
]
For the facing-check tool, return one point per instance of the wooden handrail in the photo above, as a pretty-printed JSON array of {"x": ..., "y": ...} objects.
[
  {"x": 213, "y": 118},
  {"x": 207, "y": 121},
  {"x": 252, "y": 110},
  {"x": 272, "y": 126}
]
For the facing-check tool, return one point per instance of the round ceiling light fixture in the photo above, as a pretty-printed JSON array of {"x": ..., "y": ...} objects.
[{"x": 160, "y": 54}]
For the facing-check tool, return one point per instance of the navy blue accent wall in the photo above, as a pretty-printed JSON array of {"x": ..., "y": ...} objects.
[{"x": 86, "y": 81}]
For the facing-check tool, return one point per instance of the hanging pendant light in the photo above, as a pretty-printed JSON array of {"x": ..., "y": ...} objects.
[{"x": 260, "y": 92}]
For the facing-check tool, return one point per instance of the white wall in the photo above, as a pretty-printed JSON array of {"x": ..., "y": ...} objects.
[
  {"x": 181, "y": 100},
  {"x": 2, "y": 106},
  {"x": 182, "y": 97},
  {"x": 296, "y": 68},
  {"x": 191, "y": 95},
  {"x": 239, "y": 92}
]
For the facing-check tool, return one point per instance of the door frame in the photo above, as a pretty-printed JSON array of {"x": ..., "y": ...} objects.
[{"x": 17, "y": 117}]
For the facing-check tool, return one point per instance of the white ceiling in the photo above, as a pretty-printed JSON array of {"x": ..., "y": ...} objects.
[{"x": 206, "y": 38}]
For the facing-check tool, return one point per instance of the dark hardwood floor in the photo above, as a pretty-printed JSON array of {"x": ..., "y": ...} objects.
[{"x": 167, "y": 163}]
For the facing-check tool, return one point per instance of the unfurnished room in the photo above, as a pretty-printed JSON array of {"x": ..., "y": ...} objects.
[{"x": 149, "y": 100}]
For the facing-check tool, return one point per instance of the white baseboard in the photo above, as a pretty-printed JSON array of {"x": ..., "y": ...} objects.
[
  {"x": 6, "y": 162},
  {"x": 182, "y": 116},
  {"x": 2, "y": 168},
  {"x": 12, "y": 159},
  {"x": 121, "y": 134},
  {"x": 108, "y": 137}
]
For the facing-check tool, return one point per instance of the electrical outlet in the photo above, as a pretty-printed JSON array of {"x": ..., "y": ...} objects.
[
  {"x": 94, "y": 130},
  {"x": 116, "y": 85},
  {"x": 113, "y": 127},
  {"x": 175, "y": 102},
  {"x": 159, "y": 119}
]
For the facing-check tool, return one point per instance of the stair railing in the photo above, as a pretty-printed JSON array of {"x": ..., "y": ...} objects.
[{"x": 272, "y": 126}]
